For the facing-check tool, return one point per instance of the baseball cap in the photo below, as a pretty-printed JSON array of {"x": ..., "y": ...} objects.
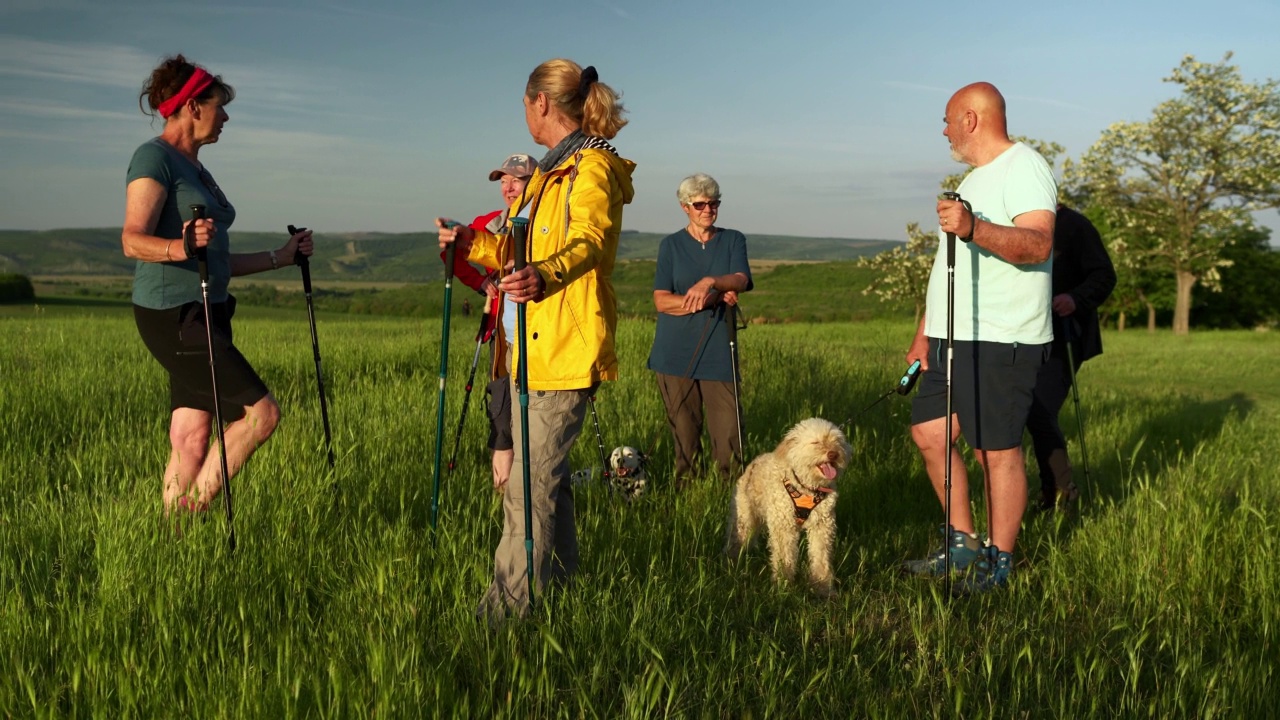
[{"x": 518, "y": 165}]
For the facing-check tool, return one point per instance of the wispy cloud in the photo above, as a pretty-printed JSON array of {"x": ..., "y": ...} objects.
[
  {"x": 61, "y": 112},
  {"x": 917, "y": 86},
  {"x": 15, "y": 7},
  {"x": 366, "y": 13},
  {"x": 1051, "y": 102},
  {"x": 615, "y": 8},
  {"x": 78, "y": 62}
]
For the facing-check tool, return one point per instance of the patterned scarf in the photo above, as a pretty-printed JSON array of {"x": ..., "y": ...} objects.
[{"x": 572, "y": 143}]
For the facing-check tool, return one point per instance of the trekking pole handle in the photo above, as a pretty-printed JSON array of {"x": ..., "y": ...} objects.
[
  {"x": 520, "y": 236},
  {"x": 956, "y": 197},
  {"x": 450, "y": 253},
  {"x": 189, "y": 242},
  {"x": 300, "y": 260}
]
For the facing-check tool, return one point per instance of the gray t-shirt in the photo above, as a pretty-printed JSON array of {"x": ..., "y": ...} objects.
[
  {"x": 164, "y": 285},
  {"x": 696, "y": 345}
]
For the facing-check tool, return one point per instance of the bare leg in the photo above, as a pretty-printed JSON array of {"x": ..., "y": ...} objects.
[
  {"x": 189, "y": 444},
  {"x": 929, "y": 438},
  {"x": 1007, "y": 476},
  {"x": 244, "y": 436}
]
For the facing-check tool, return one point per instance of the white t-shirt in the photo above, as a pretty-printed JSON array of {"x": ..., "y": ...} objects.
[{"x": 995, "y": 300}]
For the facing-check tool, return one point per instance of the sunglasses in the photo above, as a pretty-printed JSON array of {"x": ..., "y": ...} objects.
[
  {"x": 212, "y": 187},
  {"x": 703, "y": 204}
]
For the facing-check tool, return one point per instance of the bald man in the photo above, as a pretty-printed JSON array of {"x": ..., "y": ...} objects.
[{"x": 1003, "y": 329}]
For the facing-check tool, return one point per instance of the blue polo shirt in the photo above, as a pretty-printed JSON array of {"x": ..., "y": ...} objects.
[
  {"x": 164, "y": 285},
  {"x": 697, "y": 345}
]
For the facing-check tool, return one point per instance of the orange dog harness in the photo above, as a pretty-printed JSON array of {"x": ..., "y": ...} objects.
[{"x": 806, "y": 503}]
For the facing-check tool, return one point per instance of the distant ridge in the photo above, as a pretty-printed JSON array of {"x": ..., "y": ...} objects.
[{"x": 367, "y": 256}]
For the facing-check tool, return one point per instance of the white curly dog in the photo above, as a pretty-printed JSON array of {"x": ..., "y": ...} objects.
[{"x": 791, "y": 490}]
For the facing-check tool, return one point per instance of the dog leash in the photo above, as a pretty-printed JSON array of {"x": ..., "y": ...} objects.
[{"x": 905, "y": 383}]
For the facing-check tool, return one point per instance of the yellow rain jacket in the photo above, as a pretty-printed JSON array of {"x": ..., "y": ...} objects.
[{"x": 575, "y": 218}]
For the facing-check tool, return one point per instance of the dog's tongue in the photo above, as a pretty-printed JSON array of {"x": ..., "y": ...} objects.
[{"x": 828, "y": 471}]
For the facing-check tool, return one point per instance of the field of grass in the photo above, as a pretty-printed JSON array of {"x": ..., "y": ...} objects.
[
  {"x": 786, "y": 291},
  {"x": 1160, "y": 598}
]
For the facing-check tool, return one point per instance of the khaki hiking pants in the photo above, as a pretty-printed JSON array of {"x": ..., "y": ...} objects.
[{"x": 555, "y": 419}]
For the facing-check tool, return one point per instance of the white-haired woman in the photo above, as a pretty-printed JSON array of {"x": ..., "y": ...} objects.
[{"x": 701, "y": 269}]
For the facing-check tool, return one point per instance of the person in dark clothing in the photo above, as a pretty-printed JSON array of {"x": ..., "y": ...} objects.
[{"x": 1083, "y": 278}]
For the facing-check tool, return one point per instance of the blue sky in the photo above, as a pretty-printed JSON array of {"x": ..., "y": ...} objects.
[{"x": 820, "y": 119}]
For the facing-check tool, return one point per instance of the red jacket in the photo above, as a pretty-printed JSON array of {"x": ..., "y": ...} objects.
[{"x": 464, "y": 270}]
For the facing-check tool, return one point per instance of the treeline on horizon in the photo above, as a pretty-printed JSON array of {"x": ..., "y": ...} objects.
[
  {"x": 358, "y": 256},
  {"x": 802, "y": 292}
]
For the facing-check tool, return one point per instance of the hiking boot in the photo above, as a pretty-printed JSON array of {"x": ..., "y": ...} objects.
[
  {"x": 1057, "y": 491},
  {"x": 991, "y": 571},
  {"x": 964, "y": 548}
]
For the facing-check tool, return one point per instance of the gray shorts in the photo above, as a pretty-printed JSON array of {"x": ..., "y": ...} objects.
[{"x": 991, "y": 386}]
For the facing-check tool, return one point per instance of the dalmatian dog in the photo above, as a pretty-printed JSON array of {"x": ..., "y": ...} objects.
[{"x": 626, "y": 472}]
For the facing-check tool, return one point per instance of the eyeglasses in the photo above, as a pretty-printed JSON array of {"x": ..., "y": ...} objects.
[
  {"x": 702, "y": 205},
  {"x": 212, "y": 187}
]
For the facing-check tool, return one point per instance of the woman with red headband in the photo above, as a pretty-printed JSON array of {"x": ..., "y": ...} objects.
[{"x": 165, "y": 179}]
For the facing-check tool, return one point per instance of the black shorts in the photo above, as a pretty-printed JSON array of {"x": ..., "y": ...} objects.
[
  {"x": 178, "y": 340},
  {"x": 992, "y": 385},
  {"x": 499, "y": 407}
]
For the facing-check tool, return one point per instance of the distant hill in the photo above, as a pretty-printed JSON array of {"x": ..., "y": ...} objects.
[{"x": 361, "y": 256}]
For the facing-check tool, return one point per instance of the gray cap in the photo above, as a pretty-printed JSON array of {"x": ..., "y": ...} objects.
[{"x": 518, "y": 165}]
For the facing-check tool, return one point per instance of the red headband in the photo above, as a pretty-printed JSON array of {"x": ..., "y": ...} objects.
[{"x": 197, "y": 83}]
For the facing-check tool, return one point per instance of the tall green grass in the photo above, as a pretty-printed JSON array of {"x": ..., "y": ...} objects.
[{"x": 1159, "y": 598}]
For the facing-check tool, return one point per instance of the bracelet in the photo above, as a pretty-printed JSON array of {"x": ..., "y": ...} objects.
[
  {"x": 168, "y": 245},
  {"x": 275, "y": 263}
]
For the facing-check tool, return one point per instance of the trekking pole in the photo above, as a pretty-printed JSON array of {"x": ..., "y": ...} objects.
[
  {"x": 305, "y": 264},
  {"x": 482, "y": 336},
  {"x": 732, "y": 312},
  {"x": 951, "y": 334},
  {"x": 1075, "y": 394},
  {"x": 202, "y": 257},
  {"x": 520, "y": 236},
  {"x": 595, "y": 420},
  {"x": 449, "y": 254}
]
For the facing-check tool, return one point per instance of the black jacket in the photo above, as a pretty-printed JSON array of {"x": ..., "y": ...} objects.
[{"x": 1081, "y": 268}]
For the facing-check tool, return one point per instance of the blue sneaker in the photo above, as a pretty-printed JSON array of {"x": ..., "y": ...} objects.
[
  {"x": 992, "y": 572},
  {"x": 964, "y": 548}
]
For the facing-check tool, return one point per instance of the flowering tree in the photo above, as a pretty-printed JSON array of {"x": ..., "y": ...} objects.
[
  {"x": 1177, "y": 189},
  {"x": 902, "y": 274}
]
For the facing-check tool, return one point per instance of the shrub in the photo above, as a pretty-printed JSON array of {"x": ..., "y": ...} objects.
[{"x": 16, "y": 289}]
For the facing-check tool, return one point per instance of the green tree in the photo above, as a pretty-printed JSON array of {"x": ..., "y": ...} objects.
[
  {"x": 1178, "y": 187},
  {"x": 1138, "y": 288},
  {"x": 1250, "y": 295}
]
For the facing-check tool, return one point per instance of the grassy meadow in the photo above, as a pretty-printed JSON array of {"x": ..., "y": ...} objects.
[{"x": 1159, "y": 598}]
